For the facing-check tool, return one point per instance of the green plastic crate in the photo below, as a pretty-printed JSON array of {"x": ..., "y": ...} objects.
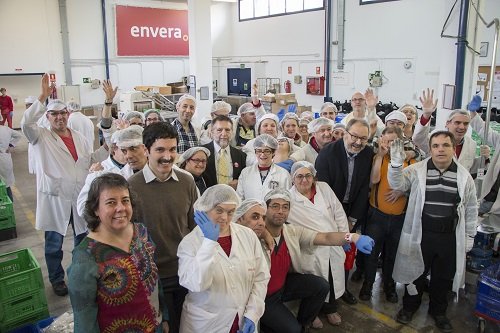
[
  {"x": 20, "y": 274},
  {"x": 29, "y": 318},
  {"x": 7, "y": 219},
  {"x": 3, "y": 189}
]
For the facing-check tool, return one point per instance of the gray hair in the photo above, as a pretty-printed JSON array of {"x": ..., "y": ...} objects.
[{"x": 329, "y": 105}]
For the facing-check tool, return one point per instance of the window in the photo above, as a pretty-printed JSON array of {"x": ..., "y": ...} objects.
[
  {"x": 253, "y": 9},
  {"x": 367, "y": 2}
]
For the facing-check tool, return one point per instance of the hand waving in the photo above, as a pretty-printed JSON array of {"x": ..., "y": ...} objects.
[
  {"x": 371, "y": 99},
  {"x": 210, "y": 230},
  {"x": 428, "y": 102},
  {"x": 398, "y": 155},
  {"x": 108, "y": 90}
]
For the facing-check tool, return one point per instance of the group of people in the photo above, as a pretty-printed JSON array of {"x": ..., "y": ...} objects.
[{"x": 184, "y": 229}]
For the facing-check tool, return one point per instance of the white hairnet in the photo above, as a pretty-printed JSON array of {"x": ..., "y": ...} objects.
[
  {"x": 149, "y": 111},
  {"x": 185, "y": 97},
  {"x": 289, "y": 115},
  {"x": 458, "y": 112},
  {"x": 30, "y": 100},
  {"x": 56, "y": 105},
  {"x": 214, "y": 195},
  {"x": 190, "y": 152},
  {"x": 221, "y": 106},
  {"x": 290, "y": 142},
  {"x": 329, "y": 105},
  {"x": 338, "y": 125},
  {"x": 278, "y": 193},
  {"x": 129, "y": 137},
  {"x": 396, "y": 115},
  {"x": 408, "y": 106},
  {"x": 265, "y": 140},
  {"x": 302, "y": 164},
  {"x": 316, "y": 124},
  {"x": 307, "y": 115},
  {"x": 74, "y": 106},
  {"x": 271, "y": 116},
  {"x": 246, "y": 108},
  {"x": 133, "y": 114},
  {"x": 245, "y": 207}
]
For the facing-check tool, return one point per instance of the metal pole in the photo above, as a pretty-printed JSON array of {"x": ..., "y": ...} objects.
[
  {"x": 105, "y": 35},
  {"x": 340, "y": 33},
  {"x": 63, "y": 16},
  {"x": 328, "y": 43},
  {"x": 492, "y": 78},
  {"x": 461, "y": 51}
]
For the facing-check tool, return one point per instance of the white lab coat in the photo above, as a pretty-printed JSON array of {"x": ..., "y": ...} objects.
[
  {"x": 220, "y": 286},
  {"x": 493, "y": 170},
  {"x": 325, "y": 215},
  {"x": 42, "y": 122},
  {"x": 7, "y": 137},
  {"x": 467, "y": 157},
  {"x": 380, "y": 123},
  {"x": 409, "y": 264},
  {"x": 59, "y": 178},
  {"x": 306, "y": 153},
  {"x": 250, "y": 185},
  {"x": 79, "y": 122}
]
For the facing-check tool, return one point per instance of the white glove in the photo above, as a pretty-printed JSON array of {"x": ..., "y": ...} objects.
[
  {"x": 485, "y": 151},
  {"x": 469, "y": 243},
  {"x": 398, "y": 155}
]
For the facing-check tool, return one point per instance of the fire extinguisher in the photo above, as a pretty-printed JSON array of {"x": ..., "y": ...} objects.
[{"x": 288, "y": 86}]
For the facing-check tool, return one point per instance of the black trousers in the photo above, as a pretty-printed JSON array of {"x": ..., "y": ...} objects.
[
  {"x": 174, "y": 297},
  {"x": 308, "y": 288},
  {"x": 331, "y": 306},
  {"x": 385, "y": 230},
  {"x": 439, "y": 254}
]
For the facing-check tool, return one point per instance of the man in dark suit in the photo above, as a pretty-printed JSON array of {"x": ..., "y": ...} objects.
[
  {"x": 346, "y": 166},
  {"x": 225, "y": 162}
]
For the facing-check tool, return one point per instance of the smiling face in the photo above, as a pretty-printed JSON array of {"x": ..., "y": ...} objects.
[
  {"x": 197, "y": 164},
  {"x": 328, "y": 113},
  {"x": 268, "y": 126},
  {"x": 114, "y": 209},
  {"x": 248, "y": 119},
  {"x": 222, "y": 132},
  {"x": 324, "y": 135},
  {"x": 162, "y": 155},
  {"x": 411, "y": 116},
  {"x": 277, "y": 212},
  {"x": 255, "y": 219},
  {"x": 356, "y": 138},
  {"x": 264, "y": 156},
  {"x": 303, "y": 180},
  {"x": 458, "y": 126},
  {"x": 290, "y": 128},
  {"x": 58, "y": 120},
  {"x": 338, "y": 133},
  {"x": 358, "y": 102},
  {"x": 186, "y": 110},
  {"x": 222, "y": 214},
  {"x": 135, "y": 156}
]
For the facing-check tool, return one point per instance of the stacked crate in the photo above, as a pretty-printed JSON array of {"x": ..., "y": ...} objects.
[
  {"x": 22, "y": 292},
  {"x": 7, "y": 219}
]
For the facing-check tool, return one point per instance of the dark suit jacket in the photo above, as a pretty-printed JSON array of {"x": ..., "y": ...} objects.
[
  {"x": 238, "y": 159},
  {"x": 332, "y": 168}
]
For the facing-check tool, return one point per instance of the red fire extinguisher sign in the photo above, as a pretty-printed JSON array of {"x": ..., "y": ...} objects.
[{"x": 288, "y": 86}]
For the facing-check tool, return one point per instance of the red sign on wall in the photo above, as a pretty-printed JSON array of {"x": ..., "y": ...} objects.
[{"x": 151, "y": 32}]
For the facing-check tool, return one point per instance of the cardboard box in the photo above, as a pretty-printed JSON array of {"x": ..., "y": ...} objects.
[
  {"x": 286, "y": 101},
  {"x": 165, "y": 90},
  {"x": 143, "y": 88},
  {"x": 285, "y": 96},
  {"x": 302, "y": 108},
  {"x": 179, "y": 89},
  {"x": 268, "y": 98}
]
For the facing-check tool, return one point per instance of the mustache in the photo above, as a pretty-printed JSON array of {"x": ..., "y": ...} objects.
[{"x": 164, "y": 160}]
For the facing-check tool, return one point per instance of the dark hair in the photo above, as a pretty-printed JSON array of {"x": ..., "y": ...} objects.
[
  {"x": 99, "y": 184},
  {"x": 393, "y": 130},
  {"x": 445, "y": 133},
  {"x": 161, "y": 130},
  {"x": 220, "y": 118}
]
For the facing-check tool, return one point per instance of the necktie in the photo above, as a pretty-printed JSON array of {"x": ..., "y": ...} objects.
[{"x": 223, "y": 168}]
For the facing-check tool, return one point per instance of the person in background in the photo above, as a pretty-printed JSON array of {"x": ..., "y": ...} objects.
[
  {"x": 303, "y": 129},
  {"x": 286, "y": 147},
  {"x": 135, "y": 118},
  {"x": 385, "y": 218},
  {"x": 219, "y": 108},
  {"x": 152, "y": 116},
  {"x": 321, "y": 134},
  {"x": 258, "y": 179},
  {"x": 8, "y": 140},
  {"x": 345, "y": 165},
  {"x": 248, "y": 113},
  {"x": 113, "y": 279},
  {"x": 167, "y": 197},
  {"x": 116, "y": 157},
  {"x": 291, "y": 243},
  {"x": 328, "y": 110},
  {"x": 364, "y": 107},
  {"x": 223, "y": 266},
  {"x": 6, "y": 108},
  {"x": 439, "y": 226},
  {"x": 188, "y": 137},
  {"x": 411, "y": 114},
  {"x": 77, "y": 121},
  {"x": 338, "y": 131},
  {"x": 290, "y": 128},
  {"x": 194, "y": 160},
  {"x": 62, "y": 162},
  {"x": 267, "y": 124},
  {"x": 225, "y": 162},
  {"x": 314, "y": 206}
]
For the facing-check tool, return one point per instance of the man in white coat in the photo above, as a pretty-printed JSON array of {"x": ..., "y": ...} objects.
[
  {"x": 63, "y": 160},
  {"x": 8, "y": 140},
  {"x": 77, "y": 121},
  {"x": 439, "y": 226},
  {"x": 364, "y": 107}
]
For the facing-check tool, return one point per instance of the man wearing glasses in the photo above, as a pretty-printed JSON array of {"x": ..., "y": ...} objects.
[
  {"x": 363, "y": 107},
  {"x": 63, "y": 161},
  {"x": 346, "y": 166}
]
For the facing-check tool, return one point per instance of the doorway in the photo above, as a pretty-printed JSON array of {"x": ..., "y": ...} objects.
[{"x": 239, "y": 81}]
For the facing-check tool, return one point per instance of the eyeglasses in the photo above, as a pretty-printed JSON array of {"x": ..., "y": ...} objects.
[
  {"x": 277, "y": 206},
  {"x": 307, "y": 176},
  {"x": 356, "y": 138},
  {"x": 263, "y": 151},
  {"x": 58, "y": 113},
  {"x": 357, "y": 100},
  {"x": 198, "y": 161}
]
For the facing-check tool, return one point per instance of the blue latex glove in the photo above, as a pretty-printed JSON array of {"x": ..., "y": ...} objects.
[
  {"x": 346, "y": 247},
  {"x": 365, "y": 244},
  {"x": 281, "y": 114},
  {"x": 248, "y": 326},
  {"x": 475, "y": 103},
  {"x": 210, "y": 230},
  {"x": 287, "y": 165},
  {"x": 292, "y": 108}
]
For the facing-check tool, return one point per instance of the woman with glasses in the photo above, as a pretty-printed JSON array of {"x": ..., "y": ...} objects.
[
  {"x": 258, "y": 179},
  {"x": 223, "y": 266},
  {"x": 315, "y": 206},
  {"x": 411, "y": 116},
  {"x": 194, "y": 160}
]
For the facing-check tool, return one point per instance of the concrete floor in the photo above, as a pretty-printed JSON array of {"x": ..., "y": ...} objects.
[{"x": 376, "y": 316}]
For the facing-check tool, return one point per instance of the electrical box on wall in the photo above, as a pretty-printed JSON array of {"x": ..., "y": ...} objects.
[
  {"x": 315, "y": 85},
  {"x": 375, "y": 79},
  {"x": 297, "y": 79}
]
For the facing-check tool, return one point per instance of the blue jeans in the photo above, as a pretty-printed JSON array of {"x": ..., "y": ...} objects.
[{"x": 54, "y": 253}]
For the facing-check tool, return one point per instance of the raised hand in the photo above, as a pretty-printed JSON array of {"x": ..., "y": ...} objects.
[
  {"x": 383, "y": 147},
  {"x": 210, "y": 230},
  {"x": 121, "y": 123},
  {"x": 108, "y": 90},
  {"x": 398, "y": 155},
  {"x": 46, "y": 88},
  {"x": 370, "y": 98},
  {"x": 255, "y": 89},
  {"x": 428, "y": 102}
]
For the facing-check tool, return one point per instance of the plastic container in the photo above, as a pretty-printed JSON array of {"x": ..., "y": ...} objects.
[
  {"x": 3, "y": 189},
  {"x": 20, "y": 274},
  {"x": 488, "y": 294},
  {"x": 7, "y": 219},
  {"x": 35, "y": 328}
]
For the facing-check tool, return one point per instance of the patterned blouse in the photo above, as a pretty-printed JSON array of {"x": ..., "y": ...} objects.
[{"x": 112, "y": 290}]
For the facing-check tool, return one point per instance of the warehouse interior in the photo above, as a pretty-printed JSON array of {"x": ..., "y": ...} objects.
[{"x": 396, "y": 47}]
